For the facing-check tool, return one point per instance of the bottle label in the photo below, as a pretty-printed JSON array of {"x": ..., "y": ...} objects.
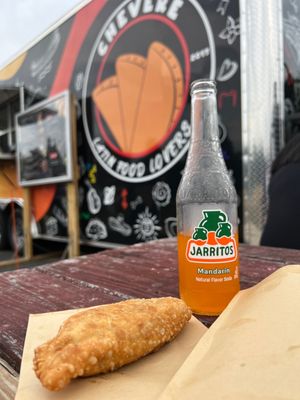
[{"x": 213, "y": 240}]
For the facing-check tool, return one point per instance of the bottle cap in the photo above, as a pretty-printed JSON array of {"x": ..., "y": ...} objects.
[{"x": 204, "y": 86}]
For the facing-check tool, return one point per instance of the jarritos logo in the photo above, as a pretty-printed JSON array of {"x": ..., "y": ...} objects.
[
  {"x": 213, "y": 240},
  {"x": 136, "y": 84}
]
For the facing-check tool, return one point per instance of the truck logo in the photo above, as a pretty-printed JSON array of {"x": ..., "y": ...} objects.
[
  {"x": 136, "y": 83},
  {"x": 124, "y": 100}
]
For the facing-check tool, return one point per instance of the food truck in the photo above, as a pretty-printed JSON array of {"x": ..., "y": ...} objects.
[{"x": 129, "y": 64}]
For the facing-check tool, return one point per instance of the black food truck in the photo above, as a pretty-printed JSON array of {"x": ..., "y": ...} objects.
[{"x": 129, "y": 65}]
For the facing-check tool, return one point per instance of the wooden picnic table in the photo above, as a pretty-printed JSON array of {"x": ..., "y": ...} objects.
[{"x": 142, "y": 270}]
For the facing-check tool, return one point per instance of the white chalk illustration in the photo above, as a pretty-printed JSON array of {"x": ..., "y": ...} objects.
[
  {"x": 135, "y": 203},
  {"x": 41, "y": 67},
  {"x": 231, "y": 31},
  {"x": 161, "y": 194},
  {"x": 227, "y": 70},
  {"x": 79, "y": 81},
  {"x": 51, "y": 226},
  {"x": 60, "y": 215},
  {"x": 222, "y": 7},
  {"x": 118, "y": 224},
  {"x": 222, "y": 131},
  {"x": 96, "y": 230},
  {"x": 171, "y": 226},
  {"x": 109, "y": 193},
  {"x": 93, "y": 201},
  {"x": 146, "y": 227}
]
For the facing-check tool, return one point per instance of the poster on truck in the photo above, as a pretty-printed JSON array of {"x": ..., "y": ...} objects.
[{"x": 130, "y": 65}]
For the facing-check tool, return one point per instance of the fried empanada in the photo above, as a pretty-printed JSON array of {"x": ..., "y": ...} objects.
[{"x": 104, "y": 338}]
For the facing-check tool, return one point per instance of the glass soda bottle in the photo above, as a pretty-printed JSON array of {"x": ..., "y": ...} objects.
[{"x": 207, "y": 222}]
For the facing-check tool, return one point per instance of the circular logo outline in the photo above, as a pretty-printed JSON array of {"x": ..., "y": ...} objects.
[
  {"x": 181, "y": 153},
  {"x": 167, "y": 134}
]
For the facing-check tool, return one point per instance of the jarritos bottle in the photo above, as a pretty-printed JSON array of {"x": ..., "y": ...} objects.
[{"x": 207, "y": 227}]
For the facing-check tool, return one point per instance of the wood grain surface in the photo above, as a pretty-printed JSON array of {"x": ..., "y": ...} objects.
[
  {"x": 143, "y": 270},
  {"x": 8, "y": 381}
]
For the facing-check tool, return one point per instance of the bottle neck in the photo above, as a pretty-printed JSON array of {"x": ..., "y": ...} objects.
[
  {"x": 205, "y": 178},
  {"x": 205, "y": 144},
  {"x": 205, "y": 119}
]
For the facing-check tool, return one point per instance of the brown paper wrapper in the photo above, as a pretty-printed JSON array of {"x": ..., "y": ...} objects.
[
  {"x": 252, "y": 351},
  {"x": 145, "y": 379}
]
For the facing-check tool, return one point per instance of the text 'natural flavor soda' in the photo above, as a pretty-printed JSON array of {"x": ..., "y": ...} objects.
[{"x": 207, "y": 227}]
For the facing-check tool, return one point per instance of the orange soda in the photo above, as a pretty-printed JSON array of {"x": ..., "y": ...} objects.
[{"x": 207, "y": 227}]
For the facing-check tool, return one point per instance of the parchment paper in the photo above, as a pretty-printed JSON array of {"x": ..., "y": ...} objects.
[
  {"x": 145, "y": 379},
  {"x": 252, "y": 351}
]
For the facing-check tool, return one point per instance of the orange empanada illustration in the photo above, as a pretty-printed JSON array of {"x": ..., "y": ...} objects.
[
  {"x": 107, "y": 99},
  {"x": 141, "y": 102},
  {"x": 130, "y": 71},
  {"x": 161, "y": 94}
]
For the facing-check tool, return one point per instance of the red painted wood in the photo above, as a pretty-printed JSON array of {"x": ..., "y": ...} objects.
[{"x": 143, "y": 270}]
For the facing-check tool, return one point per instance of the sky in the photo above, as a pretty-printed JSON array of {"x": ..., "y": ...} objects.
[{"x": 21, "y": 21}]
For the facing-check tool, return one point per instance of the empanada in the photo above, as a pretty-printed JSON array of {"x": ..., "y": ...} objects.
[{"x": 104, "y": 338}]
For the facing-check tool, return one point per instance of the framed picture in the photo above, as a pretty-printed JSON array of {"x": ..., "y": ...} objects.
[{"x": 43, "y": 136}]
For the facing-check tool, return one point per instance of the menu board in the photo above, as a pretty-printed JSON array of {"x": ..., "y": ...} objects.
[{"x": 43, "y": 142}]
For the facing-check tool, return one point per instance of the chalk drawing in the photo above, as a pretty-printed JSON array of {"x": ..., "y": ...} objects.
[
  {"x": 118, "y": 224},
  {"x": 96, "y": 230},
  {"x": 146, "y": 227}
]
